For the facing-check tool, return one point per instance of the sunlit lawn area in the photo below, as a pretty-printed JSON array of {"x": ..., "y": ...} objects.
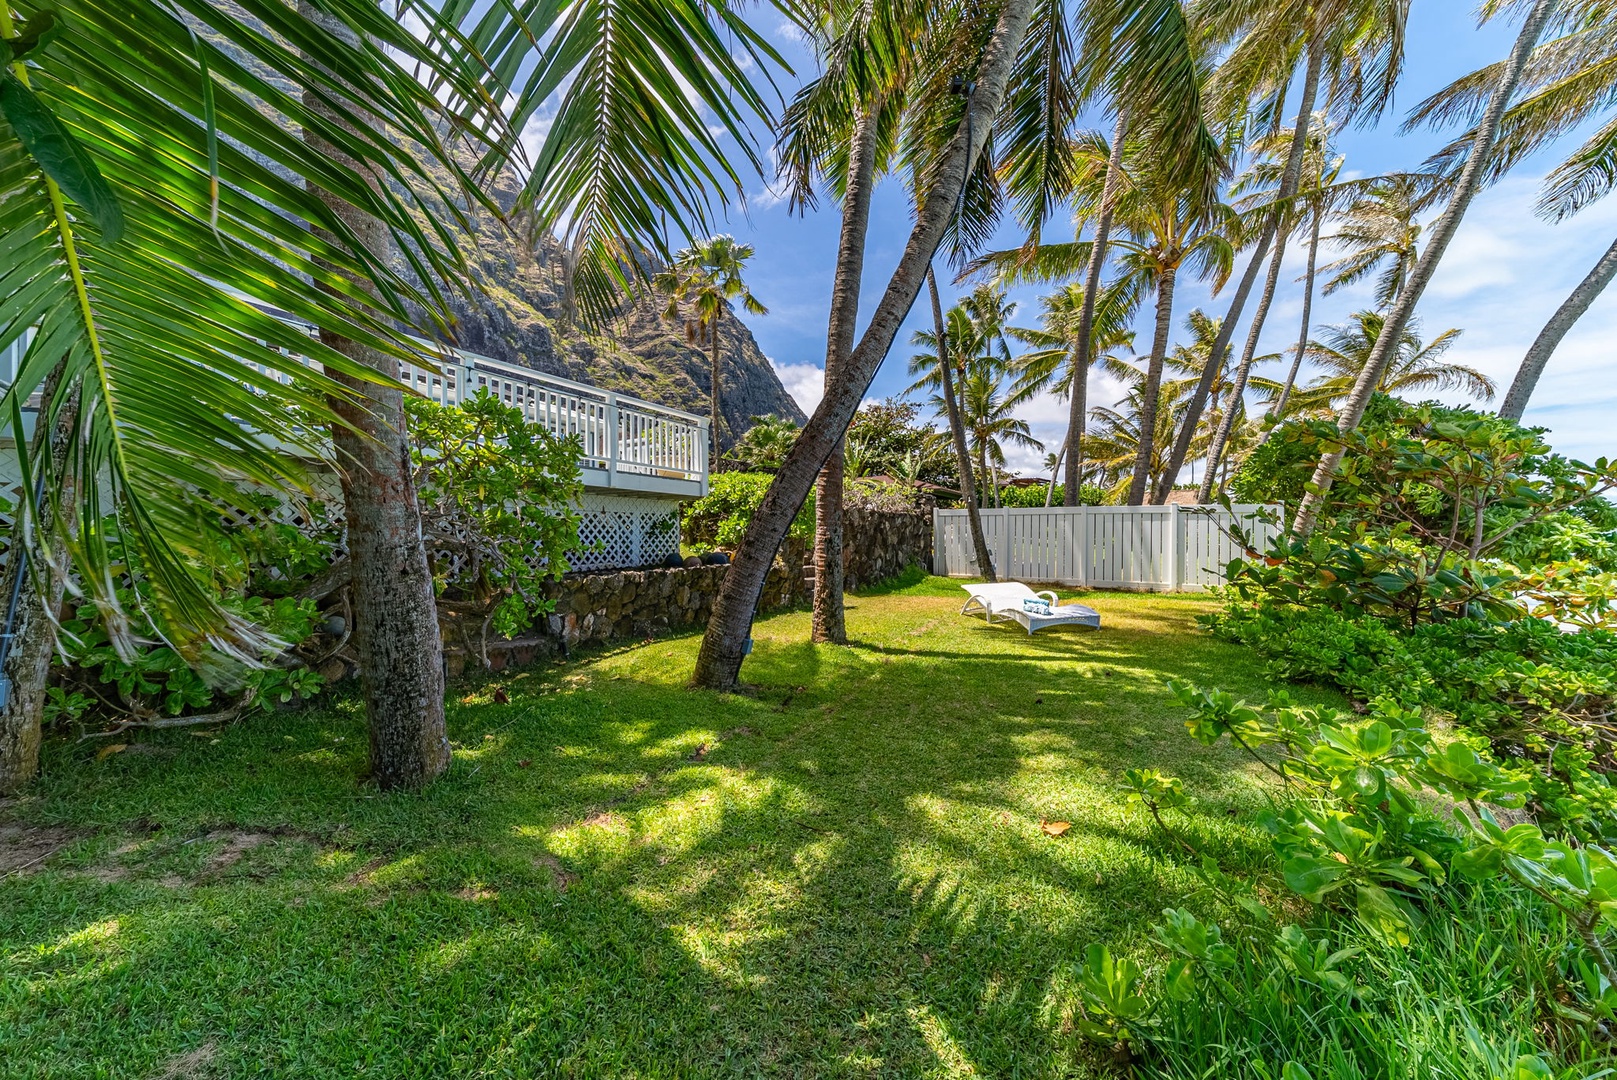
[{"x": 842, "y": 874}]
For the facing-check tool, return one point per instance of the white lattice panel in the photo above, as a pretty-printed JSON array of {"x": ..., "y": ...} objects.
[{"x": 622, "y": 531}]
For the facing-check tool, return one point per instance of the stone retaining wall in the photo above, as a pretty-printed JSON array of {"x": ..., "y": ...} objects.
[{"x": 637, "y": 603}]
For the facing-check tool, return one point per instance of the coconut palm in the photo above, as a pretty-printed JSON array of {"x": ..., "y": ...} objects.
[
  {"x": 764, "y": 445},
  {"x": 1341, "y": 353},
  {"x": 1165, "y": 230},
  {"x": 699, "y": 285},
  {"x": 940, "y": 370},
  {"x": 1138, "y": 47},
  {"x": 1057, "y": 352},
  {"x": 1114, "y": 444},
  {"x": 1380, "y": 233},
  {"x": 1354, "y": 49},
  {"x": 1569, "y": 81},
  {"x": 144, "y": 195},
  {"x": 189, "y": 147},
  {"x": 991, "y": 423},
  {"x": 1403, "y": 309},
  {"x": 832, "y": 134}
]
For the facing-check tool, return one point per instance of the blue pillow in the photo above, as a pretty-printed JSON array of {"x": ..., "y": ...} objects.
[{"x": 1036, "y": 607}]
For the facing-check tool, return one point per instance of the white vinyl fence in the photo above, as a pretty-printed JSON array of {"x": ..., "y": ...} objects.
[{"x": 1156, "y": 548}]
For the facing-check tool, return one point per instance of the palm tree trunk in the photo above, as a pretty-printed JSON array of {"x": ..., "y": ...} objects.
[
  {"x": 33, "y": 641},
  {"x": 1570, "y": 311},
  {"x": 1226, "y": 331},
  {"x": 1153, "y": 386},
  {"x": 1086, "y": 314},
  {"x": 713, "y": 385},
  {"x": 1243, "y": 370},
  {"x": 1308, "y": 311},
  {"x": 830, "y": 619},
  {"x": 718, "y": 664},
  {"x": 1055, "y": 471},
  {"x": 957, "y": 434},
  {"x": 395, "y": 612},
  {"x": 1392, "y": 330}
]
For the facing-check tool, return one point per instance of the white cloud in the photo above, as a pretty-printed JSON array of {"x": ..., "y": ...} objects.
[{"x": 805, "y": 382}]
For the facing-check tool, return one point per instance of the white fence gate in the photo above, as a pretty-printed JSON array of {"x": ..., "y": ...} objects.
[{"x": 1157, "y": 548}]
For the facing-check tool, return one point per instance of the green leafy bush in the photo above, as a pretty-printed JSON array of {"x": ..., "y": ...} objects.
[
  {"x": 1034, "y": 494},
  {"x": 499, "y": 500},
  {"x": 1417, "y": 942},
  {"x": 721, "y": 516}
]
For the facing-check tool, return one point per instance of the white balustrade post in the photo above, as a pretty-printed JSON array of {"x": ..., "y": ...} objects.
[
  {"x": 614, "y": 436},
  {"x": 702, "y": 441}
]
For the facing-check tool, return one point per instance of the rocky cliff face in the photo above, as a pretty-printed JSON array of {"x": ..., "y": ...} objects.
[{"x": 518, "y": 318}]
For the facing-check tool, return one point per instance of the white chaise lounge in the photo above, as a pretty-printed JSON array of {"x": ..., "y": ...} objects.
[{"x": 1005, "y": 600}]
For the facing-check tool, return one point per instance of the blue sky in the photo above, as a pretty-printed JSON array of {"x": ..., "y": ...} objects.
[{"x": 1504, "y": 274}]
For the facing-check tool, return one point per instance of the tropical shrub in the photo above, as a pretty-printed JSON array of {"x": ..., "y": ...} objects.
[
  {"x": 1034, "y": 495},
  {"x": 499, "y": 503},
  {"x": 1417, "y": 941},
  {"x": 499, "y": 508},
  {"x": 722, "y": 515}
]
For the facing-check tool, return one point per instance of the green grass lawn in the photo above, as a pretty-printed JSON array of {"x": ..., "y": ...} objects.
[{"x": 840, "y": 874}]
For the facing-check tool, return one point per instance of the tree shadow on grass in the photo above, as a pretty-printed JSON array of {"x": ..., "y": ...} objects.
[{"x": 847, "y": 880}]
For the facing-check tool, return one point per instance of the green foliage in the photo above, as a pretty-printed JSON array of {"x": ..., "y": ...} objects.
[
  {"x": 1438, "y": 946},
  {"x": 765, "y": 444},
  {"x": 888, "y": 438},
  {"x": 722, "y": 515},
  {"x": 105, "y": 683},
  {"x": 1533, "y": 694},
  {"x": 1032, "y": 495},
  {"x": 499, "y": 496}
]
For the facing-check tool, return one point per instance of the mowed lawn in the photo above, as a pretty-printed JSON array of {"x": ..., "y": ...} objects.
[{"x": 841, "y": 873}]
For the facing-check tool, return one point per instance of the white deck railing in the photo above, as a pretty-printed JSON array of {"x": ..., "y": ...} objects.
[
  {"x": 1157, "y": 548},
  {"x": 623, "y": 437},
  {"x": 620, "y": 434}
]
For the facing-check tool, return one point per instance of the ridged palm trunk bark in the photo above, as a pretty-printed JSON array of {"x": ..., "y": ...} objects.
[
  {"x": 1289, "y": 182},
  {"x": 1139, "y": 487},
  {"x": 1308, "y": 313},
  {"x": 1076, "y": 403},
  {"x": 830, "y": 618},
  {"x": 395, "y": 630},
  {"x": 1570, "y": 311},
  {"x": 33, "y": 643},
  {"x": 957, "y": 435},
  {"x": 718, "y": 664},
  {"x": 1243, "y": 371},
  {"x": 1397, "y": 319}
]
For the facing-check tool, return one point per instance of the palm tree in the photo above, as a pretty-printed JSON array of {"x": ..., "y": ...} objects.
[
  {"x": 1398, "y": 316},
  {"x": 1342, "y": 352},
  {"x": 764, "y": 445},
  {"x": 1381, "y": 232},
  {"x": 166, "y": 191},
  {"x": 1355, "y": 47},
  {"x": 1117, "y": 440},
  {"x": 1165, "y": 229},
  {"x": 941, "y": 369},
  {"x": 1053, "y": 362},
  {"x": 183, "y": 148},
  {"x": 1321, "y": 167},
  {"x": 1569, "y": 81},
  {"x": 699, "y": 285},
  {"x": 1128, "y": 40},
  {"x": 990, "y": 420},
  {"x": 832, "y": 131}
]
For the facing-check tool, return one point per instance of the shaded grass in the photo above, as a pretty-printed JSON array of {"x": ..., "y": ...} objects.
[{"x": 840, "y": 873}]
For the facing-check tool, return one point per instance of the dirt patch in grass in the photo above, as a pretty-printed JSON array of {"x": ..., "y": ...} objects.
[
  {"x": 560, "y": 876},
  {"x": 192, "y": 1065},
  {"x": 24, "y": 847}
]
